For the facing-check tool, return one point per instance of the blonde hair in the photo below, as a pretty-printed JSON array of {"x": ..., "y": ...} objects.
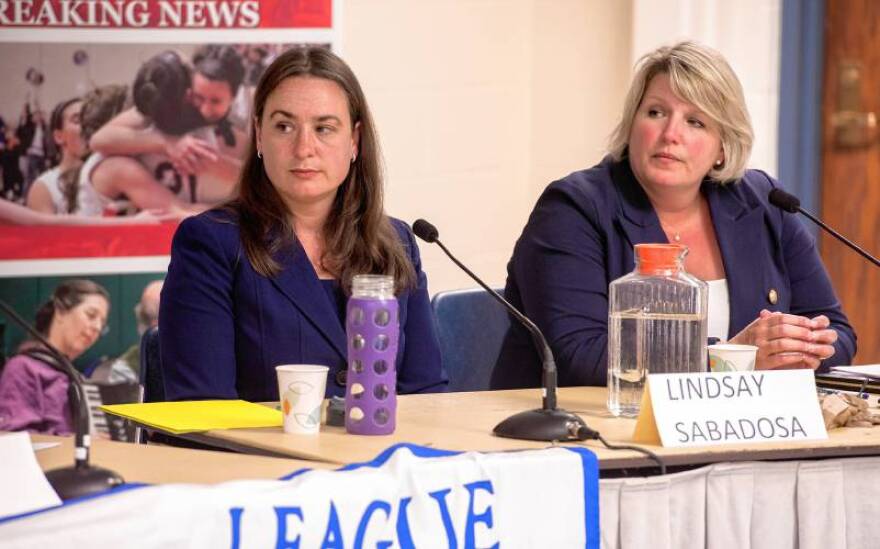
[{"x": 698, "y": 75}]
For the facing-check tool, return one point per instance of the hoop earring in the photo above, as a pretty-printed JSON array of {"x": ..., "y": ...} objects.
[{"x": 260, "y": 155}]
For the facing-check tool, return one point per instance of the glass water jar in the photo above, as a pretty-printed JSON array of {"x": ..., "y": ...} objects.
[{"x": 657, "y": 324}]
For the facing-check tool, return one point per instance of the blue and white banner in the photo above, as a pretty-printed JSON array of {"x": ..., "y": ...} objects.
[{"x": 408, "y": 497}]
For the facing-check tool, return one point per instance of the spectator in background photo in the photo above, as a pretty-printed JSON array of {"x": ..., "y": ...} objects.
[
  {"x": 33, "y": 386},
  {"x": 13, "y": 179},
  {"x": 34, "y": 142},
  {"x": 46, "y": 194}
]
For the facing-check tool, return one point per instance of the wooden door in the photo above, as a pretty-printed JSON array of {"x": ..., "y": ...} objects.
[{"x": 851, "y": 162}]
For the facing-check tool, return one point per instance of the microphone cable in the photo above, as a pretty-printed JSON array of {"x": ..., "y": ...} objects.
[{"x": 585, "y": 433}]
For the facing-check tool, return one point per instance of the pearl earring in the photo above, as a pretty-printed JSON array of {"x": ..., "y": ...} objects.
[{"x": 719, "y": 164}]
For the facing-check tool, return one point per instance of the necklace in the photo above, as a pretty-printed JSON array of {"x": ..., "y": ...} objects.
[
  {"x": 672, "y": 234},
  {"x": 686, "y": 224}
]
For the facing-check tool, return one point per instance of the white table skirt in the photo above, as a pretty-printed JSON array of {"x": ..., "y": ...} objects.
[{"x": 793, "y": 504}]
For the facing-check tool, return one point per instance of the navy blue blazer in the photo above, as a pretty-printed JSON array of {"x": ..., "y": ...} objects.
[
  {"x": 224, "y": 327},
  {"x": 580, "y": 238}
]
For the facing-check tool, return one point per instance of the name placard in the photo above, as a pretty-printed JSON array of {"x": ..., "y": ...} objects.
[{"x": 729, "y": 408}]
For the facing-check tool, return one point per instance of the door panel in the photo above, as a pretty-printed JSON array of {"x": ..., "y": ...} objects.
[{"x": 851, "y": 162}]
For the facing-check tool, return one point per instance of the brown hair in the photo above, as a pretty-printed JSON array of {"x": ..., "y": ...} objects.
[
  {"x": 66, "y": 296},
  {"x": 56, "y": 123},
  {"x": 99, "y": 106},
  {"x": 358, "y": 236}
]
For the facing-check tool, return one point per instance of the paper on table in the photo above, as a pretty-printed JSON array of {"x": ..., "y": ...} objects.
[
  {"x": 37, "y": 446},
  {"x": 866, "y": 370},
  {"x": 25, "y": 487},
  {"x": 198, "y": 415}
]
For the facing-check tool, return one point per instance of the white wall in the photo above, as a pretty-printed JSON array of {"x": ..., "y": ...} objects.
[{"x": 480, "y": 104}]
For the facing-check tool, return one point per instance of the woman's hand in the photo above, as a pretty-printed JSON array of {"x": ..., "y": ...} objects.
[{"x": 788, "y": 341}]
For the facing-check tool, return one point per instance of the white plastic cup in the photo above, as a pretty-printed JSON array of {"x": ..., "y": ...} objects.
[
  {"x": 301, "y": 394},
  {"x": 731, "y": 357}
]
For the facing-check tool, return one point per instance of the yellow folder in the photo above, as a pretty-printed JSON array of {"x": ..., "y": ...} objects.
[{"x": 198, "y": 415}]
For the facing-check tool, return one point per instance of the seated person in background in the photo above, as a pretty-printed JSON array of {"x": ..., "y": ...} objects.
[
  {"x": 263, "y": 280},
  {"x": 46, "y": 194},
  {"x": 676, "y": 173},
  {"x": 127, "y": 366},
  {"x": 33, "y": 387},
  {"x": 178, "y": 129}
]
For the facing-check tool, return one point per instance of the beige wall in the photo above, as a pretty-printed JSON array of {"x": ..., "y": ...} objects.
[{"x": 480, "y": 104}]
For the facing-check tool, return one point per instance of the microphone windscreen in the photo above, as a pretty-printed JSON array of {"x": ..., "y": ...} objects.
[
  {"x": 425, "y": 231},
  {"x": 784, "y": 200}
]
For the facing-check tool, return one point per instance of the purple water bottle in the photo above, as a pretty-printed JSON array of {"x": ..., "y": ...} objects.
[{"x": 372, "y": 327}]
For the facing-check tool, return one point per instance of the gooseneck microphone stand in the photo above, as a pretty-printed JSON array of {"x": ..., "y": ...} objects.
[
  {"x": 547, "y": 423},
  {"x": 82, "y": 478},
  {"x": 791, "y": 204}
]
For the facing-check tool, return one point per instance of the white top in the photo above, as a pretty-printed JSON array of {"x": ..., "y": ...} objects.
[
  {"x": 91, "y": 203},
  {"x": 52, "y": 181},
  {"x": 719, "y": 309}
]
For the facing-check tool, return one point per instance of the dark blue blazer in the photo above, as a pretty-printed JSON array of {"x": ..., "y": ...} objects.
[
  {"x": 224, "y": 327},
  {"x": 580, "y": 238}
]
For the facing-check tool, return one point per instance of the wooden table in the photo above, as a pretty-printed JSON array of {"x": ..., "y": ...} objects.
[
  {"x": 464, "y": 421},
  {"x": 154, "y": 464}
]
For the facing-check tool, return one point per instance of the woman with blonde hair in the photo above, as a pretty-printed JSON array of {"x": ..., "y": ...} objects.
[{"x": 676, "y": 173}]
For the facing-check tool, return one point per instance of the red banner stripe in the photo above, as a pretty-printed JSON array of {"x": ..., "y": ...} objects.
[{"x": 50, "y": 242}]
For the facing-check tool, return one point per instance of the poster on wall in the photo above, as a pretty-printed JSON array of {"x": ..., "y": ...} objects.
[{"x": 119, "y": 118}]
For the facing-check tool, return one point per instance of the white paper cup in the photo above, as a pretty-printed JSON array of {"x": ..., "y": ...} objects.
[
  {"x": 301, "y": 392},
  {"x": 730, "y": 357}
]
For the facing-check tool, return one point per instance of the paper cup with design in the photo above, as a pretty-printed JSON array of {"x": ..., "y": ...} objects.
[
  {"x": 730, "y": 357},
  {"x": 301, "y": 391}
]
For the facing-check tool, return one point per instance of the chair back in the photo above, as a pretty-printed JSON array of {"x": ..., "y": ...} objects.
[
  {"x": 471, "y": 326},
  {"x": 151, "y": 367}
]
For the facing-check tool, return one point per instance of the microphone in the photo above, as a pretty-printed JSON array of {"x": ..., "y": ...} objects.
[
  {"x": 547, "y": 423},
  {"x": 82, "y": 479},
  {"x": 791, "y": 204}
]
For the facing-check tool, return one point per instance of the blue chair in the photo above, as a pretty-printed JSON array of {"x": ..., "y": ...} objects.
[
  {"x": 151, "y": 367},
  {"x": 471, "y": 326}
]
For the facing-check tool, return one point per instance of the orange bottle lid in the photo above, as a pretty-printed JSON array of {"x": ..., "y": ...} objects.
[{"x": 659, "y": 258}]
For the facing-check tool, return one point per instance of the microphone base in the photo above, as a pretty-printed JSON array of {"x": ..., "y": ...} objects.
[
  {"x": 541, "y": 424},
  {"x": 74, "y": 482}
]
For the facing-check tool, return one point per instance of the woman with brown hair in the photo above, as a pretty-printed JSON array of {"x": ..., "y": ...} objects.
[
  {"x": 33, "y": 386},
  {"x": 263, "y": 281},
  {"x": 46, "y": 194}
]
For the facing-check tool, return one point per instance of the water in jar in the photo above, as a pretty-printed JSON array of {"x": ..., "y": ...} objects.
[{"x": 658, "y": 343}]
